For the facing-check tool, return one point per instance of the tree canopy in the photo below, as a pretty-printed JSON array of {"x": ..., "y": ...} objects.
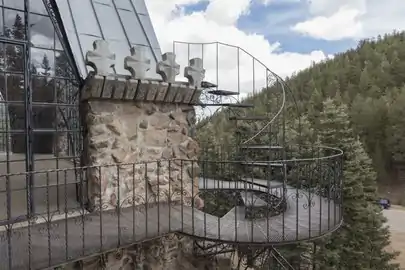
[
  {"x": 370, "y": 80},
  {"x": 354, "y": 102}
]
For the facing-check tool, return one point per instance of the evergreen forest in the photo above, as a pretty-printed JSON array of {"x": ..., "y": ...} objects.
[
  {"x": 370, "y": 82},
  {"x": 355, "y": 102}
]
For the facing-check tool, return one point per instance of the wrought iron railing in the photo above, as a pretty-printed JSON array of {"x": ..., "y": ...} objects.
[{"x": 259, "y": 210}]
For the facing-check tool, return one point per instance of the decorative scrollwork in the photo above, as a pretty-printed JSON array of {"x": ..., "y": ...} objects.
[
  {"x": 50, "y": 229},
  {"x": 81, "y": 219}
]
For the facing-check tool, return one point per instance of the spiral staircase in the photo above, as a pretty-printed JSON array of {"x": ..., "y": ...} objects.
[
  {"x": 258, "y": 179},
  {"x": 252, "y": 203}
]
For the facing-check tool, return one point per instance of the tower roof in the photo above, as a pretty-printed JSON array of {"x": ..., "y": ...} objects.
[{"x": 122, "y": 23}]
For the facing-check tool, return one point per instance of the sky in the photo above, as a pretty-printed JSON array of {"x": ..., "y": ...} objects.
[{"x": 285, "y": 35}]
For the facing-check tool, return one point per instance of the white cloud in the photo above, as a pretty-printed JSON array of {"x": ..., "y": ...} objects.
[
  {"x": 219, "y": 23},
  {"x": 334, "y": 20},
  {"x": 342, "y": 24},
  {"x": 234, "y": 9}
]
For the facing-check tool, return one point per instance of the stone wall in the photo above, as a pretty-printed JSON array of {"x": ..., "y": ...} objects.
[
  {"x": 125, "y": 133},
  {"x": 138, "y": 131}
]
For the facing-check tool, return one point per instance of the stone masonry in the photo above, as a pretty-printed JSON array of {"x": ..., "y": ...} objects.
[{"x": 141, "y": 128}]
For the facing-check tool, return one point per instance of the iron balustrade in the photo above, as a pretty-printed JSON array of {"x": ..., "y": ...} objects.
[{"x": 241, "y": 211}]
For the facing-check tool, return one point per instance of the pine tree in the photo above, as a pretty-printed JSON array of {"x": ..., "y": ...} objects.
[
  {"x": 361, "y": 241},
  {"x": 315, "y": 106},
  {"x": 46, "y": 66},
  {"x": 18, "y": 30}
]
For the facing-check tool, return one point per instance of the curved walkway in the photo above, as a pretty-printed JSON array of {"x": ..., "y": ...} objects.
[
  {"x": 71, "y": 238},
  {"x": 307, "y": 216}
]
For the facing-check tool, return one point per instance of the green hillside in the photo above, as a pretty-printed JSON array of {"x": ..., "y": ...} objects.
[{"x": 370, "y": 80}]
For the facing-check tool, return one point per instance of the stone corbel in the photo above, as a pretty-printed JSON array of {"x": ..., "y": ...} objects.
[{"x": 101, "y": 83}]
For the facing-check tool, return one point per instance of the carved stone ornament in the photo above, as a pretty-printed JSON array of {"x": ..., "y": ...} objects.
[
  {"x": 101, "y": 59},
  {"x": 168, "y": 68}
]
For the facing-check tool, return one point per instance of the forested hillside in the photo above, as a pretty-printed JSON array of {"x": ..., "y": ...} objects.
[{"x": 370, "y": 81}]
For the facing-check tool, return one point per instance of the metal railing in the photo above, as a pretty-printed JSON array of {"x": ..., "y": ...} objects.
[{"x": 148, "y": 200}]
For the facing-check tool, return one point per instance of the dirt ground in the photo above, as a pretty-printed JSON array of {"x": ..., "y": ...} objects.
[{"x": 396, "y": 221}]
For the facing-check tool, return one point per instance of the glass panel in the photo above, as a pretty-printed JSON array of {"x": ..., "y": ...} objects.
[
  {"x": 1, "y": 23},
  {"x": 43, "y": 141},
  {"x": 150, "y": 32},
  {"x": 58, "y": 44},
  {"x": 14, "y": 58},
  {"x": 17, "y": 139},
  {"x": 2, "y": 58},
  {"x": 42, "y": 62},
  {"x": 5, "y": 141},
  {"x": 42, "y": 31},
  {"x": 109, "y": 21},
  {"x": 15, "y": 87},
  {"x": 158, "y": 54},
  {"x": 140, "y": 6},
  {"x": 14, "y": 24},
  {"x": 17, "y": 4},
  {"x": 124, "y": 4},
  {"x": 43, "y": 116},
  {"x": 37, "y": 6},
  {"x": 63, "y": 7},
  {"x": 133, "y": 28},
  {"x": 18, "y": 143},
  {"x": 84, "y": 17},
  {"x": 107, "y": 2},
  {"x": 62, "y": 67},
  {"x": 72, "y": 37},
  {"x": 86, "y": 43},
  {"x": 121, "y": 50},
  {"x": 75, "y": 45},
  {"x": 16, "y": 112},
  {"x": 113, "y": 28},
  {"x": 42, "y": 89}
]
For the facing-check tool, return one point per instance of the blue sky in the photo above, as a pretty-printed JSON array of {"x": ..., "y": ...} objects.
[
  {"x": 274, "y": 21},
  {"x": 286, "y": 35}
]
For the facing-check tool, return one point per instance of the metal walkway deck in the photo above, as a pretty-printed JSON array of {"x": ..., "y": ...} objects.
[{"x": 56, "y": 242}]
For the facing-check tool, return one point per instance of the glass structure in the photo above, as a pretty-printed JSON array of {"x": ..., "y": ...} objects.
[{"x": 42, "y": 50}]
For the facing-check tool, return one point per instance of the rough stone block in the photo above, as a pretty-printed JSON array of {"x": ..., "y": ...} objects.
[
  {"x": 119, "y": 89},
  {"x": 196, "y": 97},
  {"x": 181, "y": 93},
  {"x": 189, "y": 95},
  {"x": 152, "y": 91},
  {"x": 162, "y": 91},
  {"x": 93, "y": 87},
  {"x": 109, "y": 85},
  {"x": 143, "y": 88},
  {"x": 121, "y": 133},
  {"x": 171, "y": 94},
  {"x": 131, "y": 87}
]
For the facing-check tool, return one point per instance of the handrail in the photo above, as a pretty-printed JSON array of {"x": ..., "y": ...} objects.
[
  {"x": 279, "y": 79},
  {"x": 271, "y": 121},
  {"x": 337, "y": 153}
]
